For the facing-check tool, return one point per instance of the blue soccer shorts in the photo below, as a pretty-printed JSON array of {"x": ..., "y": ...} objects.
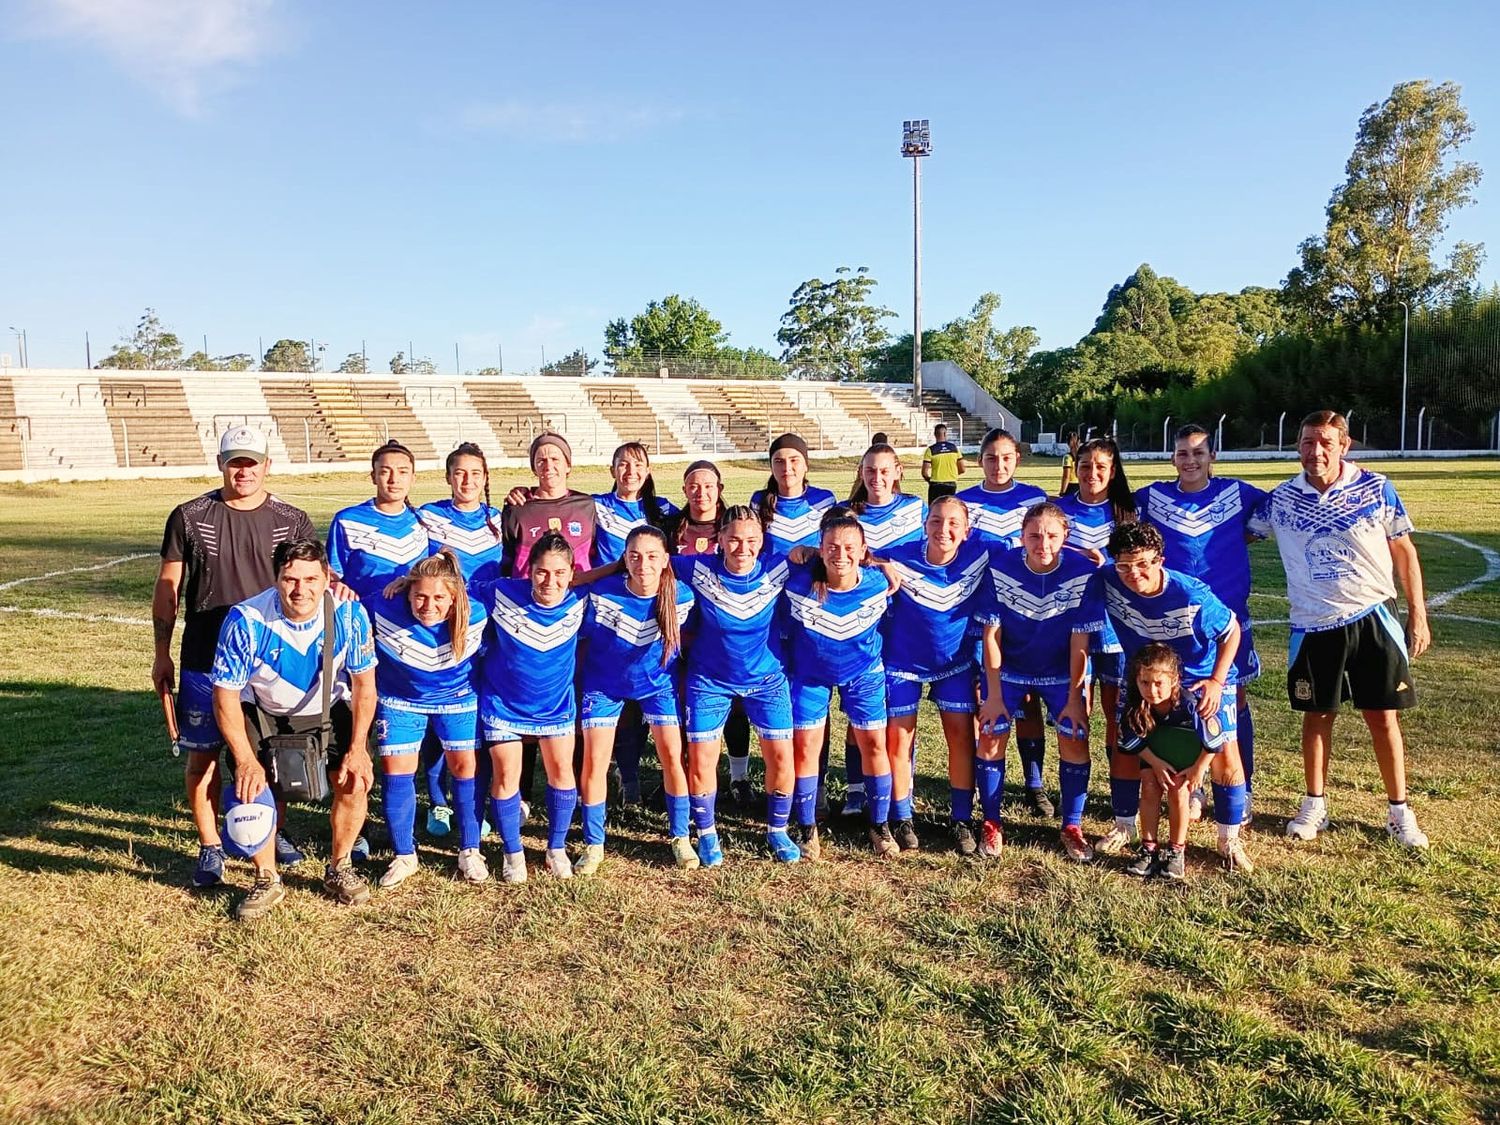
[
  {"x": 956, "y": 692},
  {"x": 768, "y": 706},
  {"x": 862, "y": 700},
  {"x": 400, "y": 727},
  {"x": 502, "y": 721},
  {"x": 197, "y": 728},
  {"x": 1054, "y": 698},
  {"x": 659, "y": 709}
]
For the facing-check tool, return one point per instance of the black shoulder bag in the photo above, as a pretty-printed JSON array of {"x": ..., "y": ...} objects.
[{"x": 299, "y": 759}]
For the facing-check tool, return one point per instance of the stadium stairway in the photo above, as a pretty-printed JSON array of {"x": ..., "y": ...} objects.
[
  {"x": 13, "y": 429},
  {"x": 965, "y": 428},
  {"x": 68, "y": 426},
  {"x": 341, "y": 412},
  {"x": 218, "y": 404},
  {"x": 729, "y": 430},
  {"x": 510, "y": 412},
  {"x": 633, "y": 417},
  {"x": 448, "y": 415},
  {"x": 770, "y": 406},
  {"x": 872, "y": 406},
  {"x": 299, "y": 417},
  {"x": 672, "y": 401},
  {"x": 570, "y": 410}
]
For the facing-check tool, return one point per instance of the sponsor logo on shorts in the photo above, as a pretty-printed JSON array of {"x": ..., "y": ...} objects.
[
  {"x": 1403, "y": 686},
  {"x": 1302, "y": 690}
]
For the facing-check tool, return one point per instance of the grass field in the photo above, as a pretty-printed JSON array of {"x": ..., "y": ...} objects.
[{"x": 1345, "y": 981}]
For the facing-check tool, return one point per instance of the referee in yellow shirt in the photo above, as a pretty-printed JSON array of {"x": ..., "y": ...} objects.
[{"x": 942, "y": 465}]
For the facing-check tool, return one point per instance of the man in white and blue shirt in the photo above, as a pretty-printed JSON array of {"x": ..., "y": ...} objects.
[
  {"x": 268, "y": 668},
  {"x": 1345, "y": 541}
]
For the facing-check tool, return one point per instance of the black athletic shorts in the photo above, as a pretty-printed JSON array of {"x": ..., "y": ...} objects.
[
  {"x": 1363, "y": 662},
  {"x": 936, "y": 488},
  {"x": 340, "y": 717}
]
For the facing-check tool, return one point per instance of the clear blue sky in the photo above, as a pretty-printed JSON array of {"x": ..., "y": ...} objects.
[{"x": 518, "y": 174}]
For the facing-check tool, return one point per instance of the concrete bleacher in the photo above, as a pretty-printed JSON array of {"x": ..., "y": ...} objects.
[{"x": 121, "y": 423}]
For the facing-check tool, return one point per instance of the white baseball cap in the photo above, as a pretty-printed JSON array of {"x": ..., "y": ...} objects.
[{"x": 242, "y": 441}]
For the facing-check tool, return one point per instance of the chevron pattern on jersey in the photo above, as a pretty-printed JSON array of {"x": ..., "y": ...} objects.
[
  {"x": 1012, "y": 593},
  {"x": 1171, "y": 625},
  {"x": 927, "y": 591},
  {"x": 1002, "y": 523},
  {"x": 903, "y": 522},
  {"x": 537, "y": 635},
  {"x": 393, "y": 548},
  {"x": 794, "y": 529},
  {"x": 1089, "y": 537},
  {"x": 743, "y": 605},
  {"x": 1194, "y": 523},
  {"x": 633, "y": 630},
  {"x": 817, "y": 617},
  {"x": 468, "y": 541},
  {"x": 409, "y": 649}
]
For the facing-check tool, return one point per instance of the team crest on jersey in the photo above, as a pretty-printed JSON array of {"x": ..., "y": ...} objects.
[
  {"x": 1302, "y": 690},
  {"x": 575, "y": 528},
  {"x": 701, "y": 544},
  {"x": 554, "y": 524}
]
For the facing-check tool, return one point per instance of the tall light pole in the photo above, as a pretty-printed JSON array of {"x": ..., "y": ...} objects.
[
  {"x": 916, "y": 142},
  {"x": 1405, "y": 336},
  {"x": 21, "y": 345}
]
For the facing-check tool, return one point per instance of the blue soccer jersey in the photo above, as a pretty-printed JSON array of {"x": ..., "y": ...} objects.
[
  {"x": 417, "y": 669},
  {"x": 624, "y": 641},
  {"x": 367, "y": 547},
  {"x": 837, "y": 639},
  {"x": 277, "y": 664},
  {"x": 615, "y": 519},
  {"x": 1089, "y": 525},
  {"x": 1185, "y": 615},
  {"x": 890, "y": 525},
  {"x": 734, "y": 640},
  {"x": 1039, "y": 613},
  {"x": 1205, "y": 531},
  {"x": 995, "y": 515},
  {"x": 932, "y": 612},
  {"x": 796, "y": 520},
  {"x": 476, "y": 543},
  {"x": 527, "y": 667}
]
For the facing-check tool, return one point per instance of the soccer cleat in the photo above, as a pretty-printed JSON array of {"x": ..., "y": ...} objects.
[
  {"x": 1401, "y": 826},
  {"x": 905, "y": 834},
  {"x": 963, "y": 838},
  {"x": 525, "y": 812},
  {"x": 1040, "y": 804},
  {"x": 439, "y": 820},
  {"x": 1311, "y": 819},
  {"x": 1172, "y": 864},
  {"x": 471, "y": 866},
  {"x": 1074, "y": 846},
  {"x": 1113, "y": 842},
  {"x": 264, "y": 895},
  {"x": 1144, "y": 864},
  {"x": 589, "y": 860},
  {"x": 210, "y": 869},
  {"x": 1236, "y": 859},
  {"x": 1196, "y": 800},
  {"x": 709, "y": 852},
  {"x": 346, "y": 885},
  {"x": 401, "y": 868},
  {"x": 683, "y": 855},
  {"x": 513, "y": 867},
  {"x": 558, "y": 863},
  {"x": 854, "y": 802},
  {"x": 287, "y": 853},
  {"x": 811, "y": 845},
  {"x": 485, "y": 831},
  {"x": 882, "y": 842},
  {"x": 991, "y": 839},
  {"x": 741, "y": 793},
  {"x": 360, "y": 853},
  {"x": 783, "y": 848}
]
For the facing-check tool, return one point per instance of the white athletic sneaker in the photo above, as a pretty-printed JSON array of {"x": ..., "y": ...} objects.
[
  {"x": 1116, "y": 840},
  {"x": 1196, "y": 800},
  {"x": 1401, "y": 826},
  {"x": 471, "y": 866},
  {"x": 1311, "y": 819},
  {"x": 559, "y": 864},
  {"x": 589, "y": 860},
  {"x": 402, "y": 867},
  {"x": 513, "y": 867},
  {"x": 1235, "y": 858}
]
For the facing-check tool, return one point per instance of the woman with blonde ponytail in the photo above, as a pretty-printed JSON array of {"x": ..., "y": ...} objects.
[{"x": 427, "y": 633}]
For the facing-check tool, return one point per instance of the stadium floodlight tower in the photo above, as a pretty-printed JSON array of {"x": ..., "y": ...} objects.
[{"x": 916, "y": 142}]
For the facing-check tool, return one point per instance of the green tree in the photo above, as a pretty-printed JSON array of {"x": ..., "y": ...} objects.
[
  {"x": 354, "y": 364},
  {"x": 401, "y": 365},
  {"x": 150, "y": 348},
  {"x": 673, "y": 326},
  {"x": 577, "y": 364},
  {"x": 830, "y": 329},
  {"x": 287, "y": 355},
  {"x": 1385, "y": 220}
]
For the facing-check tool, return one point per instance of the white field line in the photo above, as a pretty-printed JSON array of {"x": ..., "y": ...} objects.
[
  {"x": 75, "y": 570},
  {"x": 60, "y": 615},
  {"x": 1491, "y": 570}
]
